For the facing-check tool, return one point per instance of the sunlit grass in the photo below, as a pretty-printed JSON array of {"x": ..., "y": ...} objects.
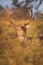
[{"x": 16, "y": 52}]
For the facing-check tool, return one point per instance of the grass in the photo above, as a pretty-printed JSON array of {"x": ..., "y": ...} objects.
[{"x": 15, "y": 52}]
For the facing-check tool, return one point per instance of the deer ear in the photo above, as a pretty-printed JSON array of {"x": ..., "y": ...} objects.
[{"x": 27, "y": 26}]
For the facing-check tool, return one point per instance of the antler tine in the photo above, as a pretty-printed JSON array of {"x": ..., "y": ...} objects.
[{"x": 13, "y": 25}]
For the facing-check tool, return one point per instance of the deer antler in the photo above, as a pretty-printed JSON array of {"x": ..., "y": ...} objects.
[{"x": 13, "y": 25}]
